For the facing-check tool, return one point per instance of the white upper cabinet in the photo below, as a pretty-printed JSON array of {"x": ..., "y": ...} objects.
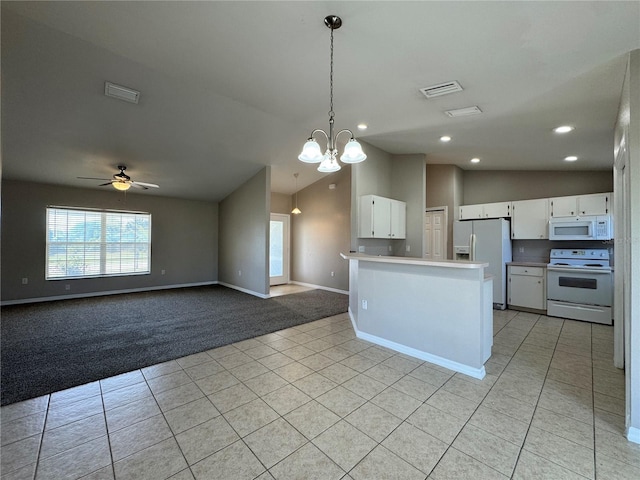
[
  {"x": 382, "y": 217},
  {"x": 398, "y": 219},
  {"x": 470, "y": 212},
  {"x": 485, "y": 210},
  {"x": 581, "y": 205},
  {"x": 496, "y": 210},
  {"x": 530, "y": 219}
]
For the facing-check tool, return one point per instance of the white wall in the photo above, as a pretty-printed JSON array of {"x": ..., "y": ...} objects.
[{"x": 628, "y": 126}]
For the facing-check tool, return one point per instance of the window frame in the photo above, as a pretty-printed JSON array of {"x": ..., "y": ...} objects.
[{"x": 103, "y": 244}]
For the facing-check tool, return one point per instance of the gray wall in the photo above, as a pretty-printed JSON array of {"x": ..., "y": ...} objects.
[
  {"x": 400, "y": 177},
  {"x": 488, "y": 186},
  {"x": 322, "y": 231},
  {"x": 407, "y": 184},
  {"x": 244, "y": 235},
  {"x": 281, "y": 203},
  {"x": 444, "y": 188},
  {"x": 183, "y": 243}
]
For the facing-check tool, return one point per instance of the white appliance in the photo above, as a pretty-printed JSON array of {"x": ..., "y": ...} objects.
[
  {"x": 580, "y": 285},
  {"x": 581, "y": 228},
  {"x": 486, "y": 241}
]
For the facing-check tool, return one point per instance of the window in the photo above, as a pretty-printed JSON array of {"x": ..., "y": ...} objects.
[{"x": 95, "y": 243}]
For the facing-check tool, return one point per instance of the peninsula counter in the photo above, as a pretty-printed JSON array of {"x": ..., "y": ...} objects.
[{"x": 437, "y": 311}]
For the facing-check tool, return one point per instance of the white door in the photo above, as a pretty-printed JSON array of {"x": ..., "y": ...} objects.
[
  {"x": 279, "y": 249},
  {"x": 435, "y": 235}
]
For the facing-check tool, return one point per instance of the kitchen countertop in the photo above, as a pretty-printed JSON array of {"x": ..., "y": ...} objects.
[
  {"x": 528, "y": 264},
  {"x": 414, "y": 261}
]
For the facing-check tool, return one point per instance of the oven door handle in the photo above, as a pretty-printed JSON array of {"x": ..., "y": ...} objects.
[{"x": 579, "y": 270}]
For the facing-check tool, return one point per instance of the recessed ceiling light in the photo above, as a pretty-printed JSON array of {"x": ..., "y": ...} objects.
[
  {"x": 563, "y": 129},
  {"x": 445, "y": 138},
  {"x": 571, "y": 158},
  {"x": 362, "y": 126},
  {"x": 475, "y": 160}
]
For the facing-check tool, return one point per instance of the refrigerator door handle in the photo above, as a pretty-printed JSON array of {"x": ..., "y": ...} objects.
[{"x": 472, "y": 247}]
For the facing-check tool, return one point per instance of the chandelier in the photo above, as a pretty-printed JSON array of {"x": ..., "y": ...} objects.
[{"x": 311, "y": 152}]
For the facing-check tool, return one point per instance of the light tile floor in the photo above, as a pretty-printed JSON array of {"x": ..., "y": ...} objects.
[{"x": 314, "y": 402}]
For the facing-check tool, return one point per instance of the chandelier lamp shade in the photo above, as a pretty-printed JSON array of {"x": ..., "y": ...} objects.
[{"x": 311, "y": 151}]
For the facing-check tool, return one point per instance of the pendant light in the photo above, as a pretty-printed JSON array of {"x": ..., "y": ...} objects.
[
  {"x": 296, "y": 210},
  {"x": 311, "y": 152}
]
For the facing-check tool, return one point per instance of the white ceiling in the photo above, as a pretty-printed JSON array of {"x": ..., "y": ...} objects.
[{"x": 228, "y": 87}]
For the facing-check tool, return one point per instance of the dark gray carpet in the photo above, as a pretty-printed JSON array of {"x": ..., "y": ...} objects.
[{"x": 52, "y": 346}]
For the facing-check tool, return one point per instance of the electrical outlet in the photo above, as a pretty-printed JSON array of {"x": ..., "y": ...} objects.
[
  {"x": 361, "y": 249},
  {"x": 365, "y": 305},
  {"x": 25, "y": 281},
  {"x": 390, "y": 248},
  {"x": 521, "y": 249},
  {"x": 162, "y": 272},
  {"x": 239, "y": 273},
  {"x": 408, "y": 248},
  {"x": 67, "y": 287},
  {"x": 333, "y": 274}
]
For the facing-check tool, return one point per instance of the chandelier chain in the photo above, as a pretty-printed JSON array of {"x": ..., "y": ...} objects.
[{"x": 331, "y": 81}]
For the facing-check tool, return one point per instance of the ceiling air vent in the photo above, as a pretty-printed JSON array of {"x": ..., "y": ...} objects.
[
  {"x": 442, "y": 89},
  {"x": 121, "y": 93},
  {"x": 464, "y": 112}
]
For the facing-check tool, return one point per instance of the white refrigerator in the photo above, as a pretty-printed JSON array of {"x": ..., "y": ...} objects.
[{"x": 486, "y": 241}]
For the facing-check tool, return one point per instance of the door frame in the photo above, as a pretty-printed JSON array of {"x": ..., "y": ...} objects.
[{"x": 286, "y": 255}]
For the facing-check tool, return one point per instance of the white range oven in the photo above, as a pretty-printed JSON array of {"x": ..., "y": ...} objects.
[{"x": 580, "y": 285}]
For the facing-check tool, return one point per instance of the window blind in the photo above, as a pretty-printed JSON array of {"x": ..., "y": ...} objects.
[{"x": 93, "y": 243}]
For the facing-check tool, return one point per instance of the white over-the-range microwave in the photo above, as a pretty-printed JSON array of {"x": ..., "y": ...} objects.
[{"x": 581, "y": 228}]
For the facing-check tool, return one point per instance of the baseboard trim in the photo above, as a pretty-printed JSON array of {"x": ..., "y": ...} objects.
[
  {"x": 103, "y": 293},
  {"x": 244, "y": 290},
  {"x": 478, "y": 373},
  {"x": 633, "y": 434},
  {"x": 321, "y": 287}
]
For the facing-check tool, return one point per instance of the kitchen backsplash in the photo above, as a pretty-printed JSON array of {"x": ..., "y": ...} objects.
[{"x": 538, "y": 251}]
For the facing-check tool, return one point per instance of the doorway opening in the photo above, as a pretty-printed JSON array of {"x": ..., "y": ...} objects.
[{"x": 279, "y": 249}]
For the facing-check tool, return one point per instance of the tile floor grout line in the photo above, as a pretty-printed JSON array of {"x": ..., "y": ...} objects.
[
  {"x": 165, "y": 418},
  {"x": 44, "y": 427},
  {"x": 539, "y": 395},
  {"x": 593, "y": 403},
  {"x": 106, "y": 426}
]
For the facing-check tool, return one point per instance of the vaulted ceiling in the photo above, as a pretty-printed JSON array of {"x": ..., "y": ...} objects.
[{"x": 229, "y": 87}]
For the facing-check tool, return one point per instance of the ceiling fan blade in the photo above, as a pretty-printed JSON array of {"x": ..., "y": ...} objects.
[
  {"x": 93, "y": 178},
  {"x": 137, "y": 185},
  {"x": 148, "y": 185},
  {"x": 103, "y": 184}
]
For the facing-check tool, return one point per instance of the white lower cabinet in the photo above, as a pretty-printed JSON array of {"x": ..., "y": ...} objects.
[{"x": 527, "y": 287}]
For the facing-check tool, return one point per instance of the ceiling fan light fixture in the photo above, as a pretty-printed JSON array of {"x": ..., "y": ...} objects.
[{"x": 120, "y": 185}]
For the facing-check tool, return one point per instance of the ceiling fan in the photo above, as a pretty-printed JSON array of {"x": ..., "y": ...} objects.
[{"x": 122, "y": 181}]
